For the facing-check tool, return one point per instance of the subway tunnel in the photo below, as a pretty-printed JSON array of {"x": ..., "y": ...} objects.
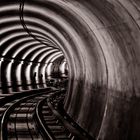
[{"x": 90, "y": 47}]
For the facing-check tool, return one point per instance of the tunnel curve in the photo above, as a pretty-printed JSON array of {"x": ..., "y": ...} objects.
[{"x": 99, "y": 40}]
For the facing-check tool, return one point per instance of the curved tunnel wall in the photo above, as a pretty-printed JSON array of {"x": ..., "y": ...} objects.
[{"x": 101, "y": 41}]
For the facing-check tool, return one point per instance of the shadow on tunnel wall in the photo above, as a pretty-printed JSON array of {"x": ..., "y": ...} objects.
[{"x": 101, "y": 42}]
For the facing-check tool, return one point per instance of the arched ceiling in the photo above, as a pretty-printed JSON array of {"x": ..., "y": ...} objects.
[
  {"x": 100, "y": 40},
  {"x": 22, "y": 34}
]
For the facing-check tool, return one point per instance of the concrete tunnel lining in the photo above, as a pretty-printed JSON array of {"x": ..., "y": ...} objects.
[{"x": 100, "y": 40}]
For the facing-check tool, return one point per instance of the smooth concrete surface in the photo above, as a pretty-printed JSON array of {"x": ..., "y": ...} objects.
[{"x": 100, "y": 40}]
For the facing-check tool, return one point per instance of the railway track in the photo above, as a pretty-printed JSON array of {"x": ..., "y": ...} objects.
[{"x": 37, "y": 117}]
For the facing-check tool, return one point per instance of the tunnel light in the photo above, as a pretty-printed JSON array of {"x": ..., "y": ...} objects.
[
  {"x": 8, "y": 70},
  {"x": 2, "y": 59},
  {"x": 49, "y": 68},
  {"x": 12, "y": 61},
  {"x": 27, "y": 73},
  {"x": 30, "y": 63},
  {"x": 16, "y": 43},
  {"x": 50, "y": 37},
  {"x": 9, "y": 7},
  {"x": 9, "y": 19},
  {"x": 32, "y": 49},
  {"x": 26, "y": 45},
  {"x": 56, "y": 57},
  {"x": 44, "y": 73},
  {"x": 41, "y": 51},
  {"x": 63, "y": 67},
  {"x": 53, "y": 56},
  {"x": 18, "y": 72},
  {"x": 45, "y": 54},
  {"x": 10, "y": 36},
  {"x": 21, "y": 62}
]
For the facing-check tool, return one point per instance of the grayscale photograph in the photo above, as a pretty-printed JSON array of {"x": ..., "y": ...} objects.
[{"x": 69, "y": 69}]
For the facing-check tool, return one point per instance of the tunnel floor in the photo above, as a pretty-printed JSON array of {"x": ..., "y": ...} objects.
[{"x": 39, "y": 116}]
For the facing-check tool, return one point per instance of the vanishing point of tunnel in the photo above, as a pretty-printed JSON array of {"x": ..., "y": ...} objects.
[{"x": 70, "y": 69}]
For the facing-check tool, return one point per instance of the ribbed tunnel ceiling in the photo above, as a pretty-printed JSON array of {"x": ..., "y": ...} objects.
[
  {"x": 27, "y": 42},
  {"x": 100, "y": 42}
]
